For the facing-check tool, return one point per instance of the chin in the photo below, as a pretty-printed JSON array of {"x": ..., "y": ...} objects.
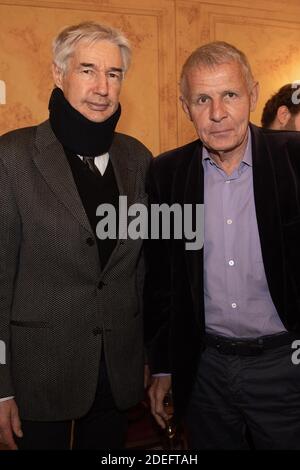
[
  {"x": 95, "y": 118},
  {"x": 98, "y": 116},
  {"x": 221, "y": 145}
]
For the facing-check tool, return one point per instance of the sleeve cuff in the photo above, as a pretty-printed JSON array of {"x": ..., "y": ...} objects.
[{"x": 6, "y": 398}]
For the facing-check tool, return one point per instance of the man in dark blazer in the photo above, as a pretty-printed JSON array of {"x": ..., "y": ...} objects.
[
  {"x": 221, "y": 321},
  {"x": 70, "y": 314}
]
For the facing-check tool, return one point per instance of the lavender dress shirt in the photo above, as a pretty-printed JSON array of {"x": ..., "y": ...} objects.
[{"x": 236, "y": 294}]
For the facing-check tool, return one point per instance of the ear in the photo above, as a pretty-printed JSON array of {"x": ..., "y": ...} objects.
[
  {"x": 185, "y": 107},
  {"x": 283, "y": 115},
  {"x": 57, "y": 76},
  {"x": 254, "y": 96}
]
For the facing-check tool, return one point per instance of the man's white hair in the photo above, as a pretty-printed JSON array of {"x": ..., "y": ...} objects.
[{"x": 66, "y": 41}]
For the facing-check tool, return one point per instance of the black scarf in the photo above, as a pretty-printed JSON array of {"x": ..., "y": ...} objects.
[{"x": 77, "y": 133}]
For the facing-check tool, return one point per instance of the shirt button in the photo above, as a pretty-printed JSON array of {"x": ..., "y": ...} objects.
[
  {"x": 233, "y": 305},
  {"x": 97, "y": 331},
  {"x": 229, "y": 221},
  {"x": 227, "y": 181},
  {"x": 231, "y": 262}
]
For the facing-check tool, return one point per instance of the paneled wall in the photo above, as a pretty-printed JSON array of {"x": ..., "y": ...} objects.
[{"x": 162, "y": 33}]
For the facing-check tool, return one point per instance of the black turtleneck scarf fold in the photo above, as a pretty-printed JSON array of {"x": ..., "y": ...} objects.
[{"x": 77, "y": 133}]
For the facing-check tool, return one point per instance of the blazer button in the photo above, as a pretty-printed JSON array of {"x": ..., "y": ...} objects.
[
  {"x": 97, "y": 331},
  {"x": 90, "y": 241},
  {"x": 101, "y": 285}
]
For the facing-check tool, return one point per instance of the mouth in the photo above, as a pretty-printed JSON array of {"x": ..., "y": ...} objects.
[
  {"x": 97, "y": 106},
  {"x": 220, "y": 133}
]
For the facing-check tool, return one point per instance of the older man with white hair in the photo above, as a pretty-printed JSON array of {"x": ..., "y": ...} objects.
[{"x": 70, "y": 306}]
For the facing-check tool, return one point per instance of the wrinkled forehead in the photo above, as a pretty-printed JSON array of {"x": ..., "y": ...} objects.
[
  {"x": 213, "y": 76},
  {"x": 97, "y": 52},
  {"x": 96, "y": 46},
  {"x": 228, "y": 67}
]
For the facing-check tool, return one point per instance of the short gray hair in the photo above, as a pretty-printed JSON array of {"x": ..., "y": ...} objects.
[
  {"x": 66, "y": 41},
  {"x": 216, "y": 53}
]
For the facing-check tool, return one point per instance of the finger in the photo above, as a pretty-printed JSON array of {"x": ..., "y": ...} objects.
[
  {"x": 152, "y": 399},
  {"x": 161, "y": 412},
  {"x": 8, "y": 440},
  {"x": 16, "y": 423},
  {"x": 159, "y": 420},
  {"x": 159, "y": 405},
  {"x": 156, "y": 401}
]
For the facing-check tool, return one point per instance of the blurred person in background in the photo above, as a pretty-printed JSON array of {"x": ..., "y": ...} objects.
[{"x": 282, "y": 110}]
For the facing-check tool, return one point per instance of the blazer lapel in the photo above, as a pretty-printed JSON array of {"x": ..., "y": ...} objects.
[
  {"x": 268, "y": 216},
  {"x": 52, "y": 163},
  {"x": 124, "y": 169},
  {"x": 194, "y": 194}
]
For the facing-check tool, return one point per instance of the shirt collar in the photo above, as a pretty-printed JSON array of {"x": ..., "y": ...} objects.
[
  {"x": 101, "y": 161},
  {"x": 102, "y": 156}
]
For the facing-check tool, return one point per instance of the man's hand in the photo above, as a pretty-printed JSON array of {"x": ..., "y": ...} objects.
[
  {"x": 157, "y": 392},
  {"x": 10, "y": 423}
]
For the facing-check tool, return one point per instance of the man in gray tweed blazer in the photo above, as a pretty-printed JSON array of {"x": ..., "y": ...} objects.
[{"x": 70, "y": 310}]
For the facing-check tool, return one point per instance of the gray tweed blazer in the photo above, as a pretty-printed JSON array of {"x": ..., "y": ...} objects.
[{"x": 57, "y": 307}]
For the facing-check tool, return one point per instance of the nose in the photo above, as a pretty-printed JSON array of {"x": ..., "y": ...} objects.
[
  {"x": 101, "y": 85},
  {"x": 218, "y": 110}
]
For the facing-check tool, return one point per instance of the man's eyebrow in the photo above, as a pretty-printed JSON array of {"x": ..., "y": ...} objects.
[
  {"x": 85, "y": 64},
  {"x": 111, "y": 69},
  {"x": 116, "y": 69},
  {"x": 200, "y": 95}
]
